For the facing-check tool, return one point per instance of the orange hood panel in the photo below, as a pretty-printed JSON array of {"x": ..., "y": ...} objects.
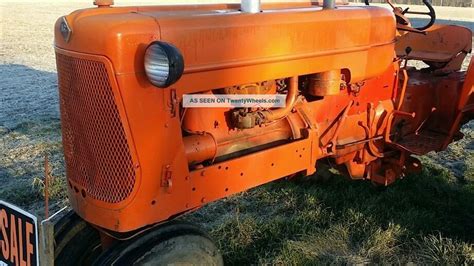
[{"x": 219, "y": 42}]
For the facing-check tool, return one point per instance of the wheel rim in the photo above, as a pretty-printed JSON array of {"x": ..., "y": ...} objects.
[{"x": 172, "y": 243}]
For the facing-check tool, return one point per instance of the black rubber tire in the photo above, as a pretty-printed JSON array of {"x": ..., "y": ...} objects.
[
  {"x": 173, "y": 243},
  {"x": 76, "y": 242}
]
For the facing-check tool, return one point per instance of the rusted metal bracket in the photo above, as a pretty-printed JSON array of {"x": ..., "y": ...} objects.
[
  {"x": 173, "y": 103},
  {"x": 166, "y": 178}
]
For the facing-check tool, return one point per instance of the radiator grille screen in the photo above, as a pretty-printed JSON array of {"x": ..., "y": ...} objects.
[{"x": 95, "y": 145}]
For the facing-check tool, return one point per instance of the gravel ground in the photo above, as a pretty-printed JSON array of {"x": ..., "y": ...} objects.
[{"x": 29, "y": 115}]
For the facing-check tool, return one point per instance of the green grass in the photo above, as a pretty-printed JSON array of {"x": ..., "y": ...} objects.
[{"x": 425, "y": 218}]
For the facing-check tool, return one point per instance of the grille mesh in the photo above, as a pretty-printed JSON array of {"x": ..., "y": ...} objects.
[{"x": 95, "y": 146}]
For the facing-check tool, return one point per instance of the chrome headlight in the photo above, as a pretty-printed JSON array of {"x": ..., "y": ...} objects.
[{"x": 164, "y": 64}]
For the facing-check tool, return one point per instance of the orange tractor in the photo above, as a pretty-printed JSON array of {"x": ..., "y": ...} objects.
[{"x": 137, "y": 157}]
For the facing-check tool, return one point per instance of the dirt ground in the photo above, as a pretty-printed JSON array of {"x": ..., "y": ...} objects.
[{"x": 30, "y": 125}]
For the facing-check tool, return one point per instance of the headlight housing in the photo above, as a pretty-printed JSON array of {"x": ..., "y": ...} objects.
[{"x": 164, "y": 64}]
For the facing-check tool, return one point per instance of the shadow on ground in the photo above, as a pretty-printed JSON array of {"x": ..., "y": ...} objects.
[{"x": 26, "y": 94}]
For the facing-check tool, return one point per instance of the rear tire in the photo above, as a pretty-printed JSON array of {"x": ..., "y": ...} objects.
[{"x": 173, "y": 243}]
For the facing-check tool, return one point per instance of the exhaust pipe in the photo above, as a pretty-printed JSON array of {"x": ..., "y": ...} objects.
[
  {"x": 250, "y": 6},
  {"x": 103, "y": 3},
  {"x": 329, "y": 4}
]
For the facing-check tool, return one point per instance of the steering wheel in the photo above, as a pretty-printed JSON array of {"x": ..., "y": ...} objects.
[
  {"x": 431, "y": 14},
  {"x": 398, "y": 12}
]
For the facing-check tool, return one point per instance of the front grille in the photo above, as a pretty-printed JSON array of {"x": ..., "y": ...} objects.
[{"x": 95, "y": 145}]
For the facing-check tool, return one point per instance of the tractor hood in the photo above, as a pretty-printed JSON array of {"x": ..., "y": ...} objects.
[{"x": 218, "y": 40}]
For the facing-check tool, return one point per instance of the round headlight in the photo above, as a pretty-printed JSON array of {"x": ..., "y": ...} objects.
[{"x": 164, "y": 64}]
